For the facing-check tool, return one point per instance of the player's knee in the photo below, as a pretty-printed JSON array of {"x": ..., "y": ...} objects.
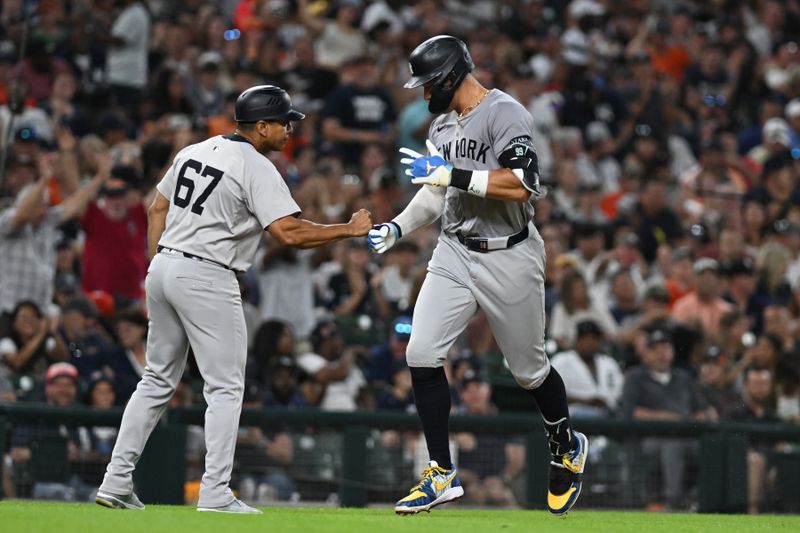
[
  {"x": 418, "y": 355},
  {"x": 530, "y": 381}
]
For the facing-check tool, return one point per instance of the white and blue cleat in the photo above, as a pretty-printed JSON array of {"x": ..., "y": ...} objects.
[{"x": 438, "y": 485}]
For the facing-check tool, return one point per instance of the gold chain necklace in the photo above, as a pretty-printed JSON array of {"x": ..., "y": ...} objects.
[{"x": 473, "y": 106}]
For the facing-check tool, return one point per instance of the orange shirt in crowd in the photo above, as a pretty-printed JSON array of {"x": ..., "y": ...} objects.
[
  {"x": 690, "y": 310},
  {"x": 672, "y": 61}
]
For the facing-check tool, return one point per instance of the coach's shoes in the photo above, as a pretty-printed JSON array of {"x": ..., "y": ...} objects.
[
  {"x": 237, "y": 506},
  {"x": 438, "y": 485},
  {"x": 114, "y": 501},
  {"x": 565, "y": 480}
]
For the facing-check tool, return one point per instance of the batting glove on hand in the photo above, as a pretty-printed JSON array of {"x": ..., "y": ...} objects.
[
  {"x": 382, "y": 237},
  {"x": 427, "y": 170}
]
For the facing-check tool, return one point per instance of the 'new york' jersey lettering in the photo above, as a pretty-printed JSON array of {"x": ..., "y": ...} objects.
[
  {"x": 222, "y": 192},
  {"x": 474, "y": 143}
]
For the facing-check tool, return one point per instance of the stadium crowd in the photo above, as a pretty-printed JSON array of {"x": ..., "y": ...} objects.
[{"x": 668, "y": 136}]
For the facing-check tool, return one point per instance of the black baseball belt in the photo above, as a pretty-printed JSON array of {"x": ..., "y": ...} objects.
[
  {"x": 192, "y": 256},
  {"x": 488, "y": 244}
]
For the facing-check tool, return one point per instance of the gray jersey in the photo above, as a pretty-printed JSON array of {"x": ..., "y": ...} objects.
[
  {"x": 474, "y": 143},
  {"x": 222, "y": 194}
]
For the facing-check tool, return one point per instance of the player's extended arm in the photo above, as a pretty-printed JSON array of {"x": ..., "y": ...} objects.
[
  {"x": 291, "y": 231},
  {"x": 156, "y": 222},
  {"x": 515, "y": 181},
  {"x": 423, "y": 209}
]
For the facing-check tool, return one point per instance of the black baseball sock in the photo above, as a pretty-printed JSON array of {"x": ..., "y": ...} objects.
[
  {"x": 432, "y": 396},
  {"x": 551, "y": 397}
]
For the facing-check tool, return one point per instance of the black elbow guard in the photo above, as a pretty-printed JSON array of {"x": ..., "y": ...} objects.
[{"x": 520, "y": 157}]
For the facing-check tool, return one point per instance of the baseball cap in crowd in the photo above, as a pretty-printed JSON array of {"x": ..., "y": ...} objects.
[
  {"x": 739, "y": 267},
  {"x": 20, "y": 160},
  {"x": 658, "y": 334},
  {"x": 588, "y": 327},
  {"x": 714, "y": 354},
  {"x": 7, "y": 52},
  {"x": 776, "y": 163},
  {"x": 471, "y": 376},
  {"x": 657, "y": 293},
  {"x": 209, "y": 61},
  {"x": 323, "y": 331},
  {"x": 585, "y": 8},
  {"x": 776, "y": 130},
  {"x": 283, "y": 361},
  {"x": 705, "y": 264},
  {"x": 66, "y": 283},
  {"x": 401, "y": 328},
  {"x": 597, "y": 132},
  {"x": 103, "y": 302},
  {"x": 792, "y": 110},
  {"x": 61, "y": 370},
  {"x": 81, "y": 305}
]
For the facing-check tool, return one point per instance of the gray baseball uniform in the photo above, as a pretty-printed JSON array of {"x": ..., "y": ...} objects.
[
  {"x": 223, "y": 194},
  {"x": 507, "y": 283}
]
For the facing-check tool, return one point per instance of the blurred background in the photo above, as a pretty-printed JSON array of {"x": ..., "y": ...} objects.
[{"x": 668, "y": 136}]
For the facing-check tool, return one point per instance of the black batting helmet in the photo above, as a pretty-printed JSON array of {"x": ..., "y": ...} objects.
[
  {"x": 265, "y": 102},
  {"x": 443, "y": 60}
]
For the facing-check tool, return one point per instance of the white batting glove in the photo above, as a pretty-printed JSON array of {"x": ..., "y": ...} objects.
[
  {"x": 383, "y": 236},
  {"x": 427, "y": 170}
]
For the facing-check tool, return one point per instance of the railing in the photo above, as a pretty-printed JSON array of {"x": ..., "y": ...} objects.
[{"x": 721, "y": 465}]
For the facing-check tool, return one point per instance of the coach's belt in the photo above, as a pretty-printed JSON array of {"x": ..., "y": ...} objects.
[
  {"x": 192, "y": 256},
  {"x": 487, "y": 244}
]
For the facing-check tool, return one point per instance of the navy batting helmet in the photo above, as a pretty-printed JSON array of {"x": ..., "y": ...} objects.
[
  {"x": 443, "y": 60},
  {"x": 265, "y": 102}
]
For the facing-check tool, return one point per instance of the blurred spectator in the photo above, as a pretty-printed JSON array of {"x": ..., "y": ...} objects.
[
  {"x": 88, "y": 352},
  {"x": 657, "y": 391},
  {"x": 283, "y": 388},
  {"x": 399, "y": 395},
  {"x": 286, "y": 286},
  {"x": 703, "y": 308},
  {"x": 350, "y": 292},
  {"x": 714, "y": 381},
  {"x": 337, "y": 379},
  {"x": 654, "y": 221},
  {"x": 593, "y": 379},
  {"x": 32, "y": 343},
  {"x": 486, "y": 461},
  {"x": 392, "y": 284},
  {"x": 115, "y": 226},
  {"x": 261, "y": 458},
  {"x": 129, "y": 41},
  {"x": 129, "y": 358},
  {"x": 46, "y": 450},
  {"x": 28, "y": 233},
  {"x": 386, "y": 359},
  {"x": 741, "y": 291},
  {"x": 338, "y": 40},
  {"x": 576, "y": 305},
  {"x": 756, "y": 408},
  {"x": 358, "y": 112},
  {"x": 39, "y": 69},
  {"x": 274, "y": 340},
  {"x": 206, "y": 92}
]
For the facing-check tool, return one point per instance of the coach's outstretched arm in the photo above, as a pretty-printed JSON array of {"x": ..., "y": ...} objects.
[
  {"x": 291, "y": 231},
  {"x": 516, "y": 181},
  {"x": 423, "y": 209}
]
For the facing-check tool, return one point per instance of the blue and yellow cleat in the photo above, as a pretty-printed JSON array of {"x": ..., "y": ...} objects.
[
  {"x": 438, "y": 486},
  {"x": 565, "y": 481}
]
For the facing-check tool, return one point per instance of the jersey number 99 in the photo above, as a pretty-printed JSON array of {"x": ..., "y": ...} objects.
[{"x": 186, "y": 183}]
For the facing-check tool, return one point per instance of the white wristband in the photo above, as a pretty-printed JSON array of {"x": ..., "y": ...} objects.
[{"x": 479, "y": 183}]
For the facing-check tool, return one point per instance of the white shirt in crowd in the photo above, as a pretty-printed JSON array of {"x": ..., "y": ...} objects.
[
  {"x": 127, "y": 64},
  {"x": 339, "y": 395},
  {"x": 606, "y": 383}
]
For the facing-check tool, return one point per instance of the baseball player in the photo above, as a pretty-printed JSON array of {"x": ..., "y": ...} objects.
[
  {"x": 204, "y": 225},
  {"x": 480, "y": 176}
]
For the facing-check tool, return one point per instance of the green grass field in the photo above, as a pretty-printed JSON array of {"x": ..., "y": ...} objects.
[{"x": 34, "y": 517}]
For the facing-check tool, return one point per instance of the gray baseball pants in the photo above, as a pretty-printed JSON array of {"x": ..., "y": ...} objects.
[
  {"x": 195, "y": 303},
  {"x": 507, "y": 284}
]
